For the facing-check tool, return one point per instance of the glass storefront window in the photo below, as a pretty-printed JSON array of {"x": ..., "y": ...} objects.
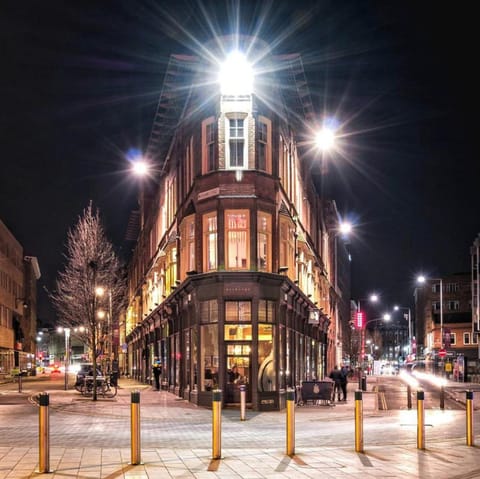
[
  {"x": 194, "y": 357},
  {"x": 266, "y": 311},
  {"x": 187, "y": 357},
  {"x": 238, "y": 311},
  {"x": 266, "y": 359},
  {"x": 209, "y": 357},
  {"x": 209, "y": 311},
  {"x": 238, "y": 332}
]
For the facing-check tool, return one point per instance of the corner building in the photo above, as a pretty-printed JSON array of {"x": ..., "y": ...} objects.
[{"x": 235, "y": 259}]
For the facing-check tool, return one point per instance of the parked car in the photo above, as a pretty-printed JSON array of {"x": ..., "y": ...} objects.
[{"x": 85, "y": 369}]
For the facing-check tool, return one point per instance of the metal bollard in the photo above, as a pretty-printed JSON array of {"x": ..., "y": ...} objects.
[
  {"x": 20, "y": 382},
  {"x": 469, "y": 411},
  {"x": 217, "y": 424},
  {"x": 290, "y": 422},
  {"x": 243, "y": 401},
  {"x": 358, "y": 421},
  {"x": 420, "y": 420},
  {"x": 43, "y": 434},
  {"x": 442, "y": 397},
  {"x": 409, "y": 396},
  {"x": 135, "y": 428}
]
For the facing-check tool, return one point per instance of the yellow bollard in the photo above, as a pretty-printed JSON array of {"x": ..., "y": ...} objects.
[
  {"x": 420, "y": 420},
  {"x": 358, "y": 421},
  {"x": 290, "y": 422},
  {"x": 243, "y": 401},
  {"x": 469, "y": 411},
  {"x": 135, "y": 428},
  {"x": 43, "y": 434},
  {"x": 217, "y": 424}
]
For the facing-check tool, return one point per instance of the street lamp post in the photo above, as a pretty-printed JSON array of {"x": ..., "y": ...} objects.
[
  {"x": 66, "y": 331},
  {"x": 421, "y": 280}
]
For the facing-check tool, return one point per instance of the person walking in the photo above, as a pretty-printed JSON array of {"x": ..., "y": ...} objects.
[
  {"x": 336, "y": 376},
  {"x": 344, "y": 381},
  {"x": 157, "y": 371}
]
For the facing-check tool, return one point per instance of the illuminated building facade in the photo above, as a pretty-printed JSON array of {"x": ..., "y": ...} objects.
[{"x": 233, "y": 278}]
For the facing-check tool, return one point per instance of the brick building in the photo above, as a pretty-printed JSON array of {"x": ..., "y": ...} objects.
[
  {"x": 453, "y": 316},
  {"x": 18, "y": 304},
  {"x": 236, "y": 259}
]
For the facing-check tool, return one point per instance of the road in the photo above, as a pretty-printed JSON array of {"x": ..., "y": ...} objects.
[{"x": 396, "y": 395}]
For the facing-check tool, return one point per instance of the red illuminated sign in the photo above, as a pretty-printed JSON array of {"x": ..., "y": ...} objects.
[{"x": 359, "y": 320}]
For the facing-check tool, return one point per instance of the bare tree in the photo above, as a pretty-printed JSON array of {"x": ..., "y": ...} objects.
[{"x": 91, "y": 264}]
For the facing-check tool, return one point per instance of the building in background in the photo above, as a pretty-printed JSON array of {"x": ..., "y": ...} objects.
[
  {"x": 459, "y": 344},
  {"x": 18, "y": 305},
  {"x": 234, "y": 277}
]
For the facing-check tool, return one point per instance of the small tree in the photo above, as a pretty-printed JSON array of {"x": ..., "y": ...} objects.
[{"x": 91, "y": 263}]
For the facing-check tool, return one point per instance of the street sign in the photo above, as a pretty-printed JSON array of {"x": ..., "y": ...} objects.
[{"x": 442, "y": 353}]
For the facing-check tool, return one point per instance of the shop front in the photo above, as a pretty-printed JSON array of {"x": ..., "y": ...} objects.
[{"x": 217, "y": 334}]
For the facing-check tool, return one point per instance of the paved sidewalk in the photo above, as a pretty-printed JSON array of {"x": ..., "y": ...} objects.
[{"x": 442, "y": 459}]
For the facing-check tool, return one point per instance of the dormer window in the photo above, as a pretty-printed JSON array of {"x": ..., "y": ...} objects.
[{"x": 236, "y": 142}]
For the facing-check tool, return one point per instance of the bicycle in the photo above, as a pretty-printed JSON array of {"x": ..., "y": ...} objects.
[{"x": 105, "y": 387}]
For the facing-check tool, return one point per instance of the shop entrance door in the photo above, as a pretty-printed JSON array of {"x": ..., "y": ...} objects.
[{"x": 238, "y": 367}]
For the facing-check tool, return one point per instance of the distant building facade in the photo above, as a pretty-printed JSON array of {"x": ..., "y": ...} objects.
[
  {"x": 18, "y": 304},
  {"x": 234, "y": 277},
  {"x": 459, "y": 340}
]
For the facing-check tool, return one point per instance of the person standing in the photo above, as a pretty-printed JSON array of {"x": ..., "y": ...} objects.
[
  {"x": 336, "y": 376},
  {"x": 344, "y": 381},
  {"x": 157, "y": 371}
]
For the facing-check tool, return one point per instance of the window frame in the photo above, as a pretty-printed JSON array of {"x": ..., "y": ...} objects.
[
  {"x": 266, "y": 142},
  {"x": 187, "y": 245},
  {"x": 268, "y": 241},
  {"x": 229, "y": 240},
  {"x": 209, "y": 162},
  {"x": 235, "y": 117},
  {"x": 208, "y": 235}
]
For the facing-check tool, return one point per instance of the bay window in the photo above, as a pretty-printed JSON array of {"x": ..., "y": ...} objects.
[{"x": 237, "y": 239}]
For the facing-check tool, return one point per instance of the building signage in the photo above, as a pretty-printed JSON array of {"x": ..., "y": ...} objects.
[
  {"x": 359, "y": 320},
  {"x": 208, "y": 194}
]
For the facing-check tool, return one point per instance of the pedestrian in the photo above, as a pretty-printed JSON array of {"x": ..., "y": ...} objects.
[
  {"x": 233, "y": 375},
  {"x": 157, "y": 371},
  {"x": 344, "y": 381},
  {"x": 336, "y": 376}
]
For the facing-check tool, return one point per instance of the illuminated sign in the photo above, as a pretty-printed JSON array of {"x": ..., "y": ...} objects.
[{"x": 359, "y": 317}]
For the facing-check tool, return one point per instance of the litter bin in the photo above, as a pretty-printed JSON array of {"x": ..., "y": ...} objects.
[
  {"x": 363, "y": 383},
  {"x": 114, "y": 378}
]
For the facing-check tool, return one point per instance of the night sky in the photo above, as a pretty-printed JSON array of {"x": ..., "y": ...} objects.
[{"x": 80, "y": 84}]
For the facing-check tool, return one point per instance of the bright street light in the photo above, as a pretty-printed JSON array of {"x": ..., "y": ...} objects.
[
  {"x": 236, "y": 75},
  {"x": 325, "y": 139},
  {"x": 345, "y": 228},
  {"x": 140, "y": 168}
]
